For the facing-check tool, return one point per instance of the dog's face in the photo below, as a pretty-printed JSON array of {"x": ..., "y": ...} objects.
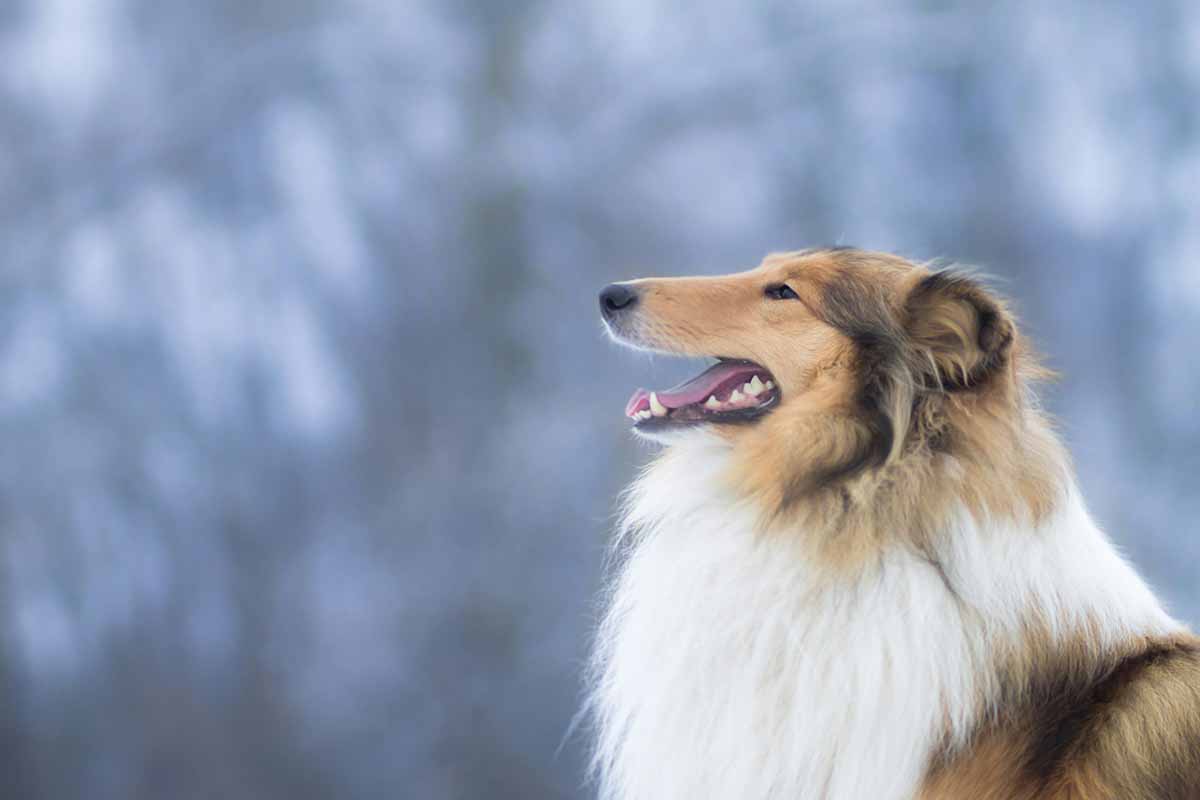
[
  {"x": 828, "y": 360},
  {"x": 769, "y": 322}
]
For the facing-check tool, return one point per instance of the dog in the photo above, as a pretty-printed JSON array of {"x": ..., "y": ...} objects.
[{"x": 861, "y": 567}]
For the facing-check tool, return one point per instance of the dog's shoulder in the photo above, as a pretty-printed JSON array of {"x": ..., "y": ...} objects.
[
  {"x": 1130, "y": 732},
  {"x": 1143, "y": 737}
]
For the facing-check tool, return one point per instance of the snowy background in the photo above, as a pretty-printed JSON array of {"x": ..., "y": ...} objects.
[{"x": 310, "y": 437}]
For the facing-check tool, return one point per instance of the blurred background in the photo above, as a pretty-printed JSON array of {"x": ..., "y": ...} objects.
[{"x": 310, "y": 435}]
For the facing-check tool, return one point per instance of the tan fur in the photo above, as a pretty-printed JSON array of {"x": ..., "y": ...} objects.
[
  {"x": 1121, "y": 724},
  {"x": 934, "y": 460}
]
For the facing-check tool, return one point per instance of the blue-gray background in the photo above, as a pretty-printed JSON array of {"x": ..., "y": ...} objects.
[{"x": 310, "y": 435}]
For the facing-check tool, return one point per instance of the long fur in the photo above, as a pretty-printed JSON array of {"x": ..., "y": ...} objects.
[
  {"x": 729, "y": 667},
  {"x": 889, "y": 586}
]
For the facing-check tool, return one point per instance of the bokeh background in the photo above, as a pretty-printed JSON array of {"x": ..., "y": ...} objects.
[{"x": 310, "y": 434}]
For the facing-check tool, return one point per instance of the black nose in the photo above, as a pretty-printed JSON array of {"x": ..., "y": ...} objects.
[{"x": 617, "y": 297}]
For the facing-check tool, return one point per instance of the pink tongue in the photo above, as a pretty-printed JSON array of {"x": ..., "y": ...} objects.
[{"x": 698, "y": 389}]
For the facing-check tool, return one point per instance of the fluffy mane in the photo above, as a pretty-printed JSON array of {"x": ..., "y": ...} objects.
[{"x": 729, "y": 664}]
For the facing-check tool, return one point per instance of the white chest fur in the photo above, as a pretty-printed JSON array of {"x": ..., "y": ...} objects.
[{"x": 728, "y": 667}]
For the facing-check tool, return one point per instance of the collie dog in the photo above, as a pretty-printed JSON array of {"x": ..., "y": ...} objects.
[{"x": 861, "y": 566}]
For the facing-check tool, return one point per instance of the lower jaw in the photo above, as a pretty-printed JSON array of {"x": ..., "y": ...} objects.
[{"x": 695, "y": 417}]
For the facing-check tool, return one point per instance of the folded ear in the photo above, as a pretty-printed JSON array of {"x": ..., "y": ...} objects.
[{"x": 962, "y": 334}]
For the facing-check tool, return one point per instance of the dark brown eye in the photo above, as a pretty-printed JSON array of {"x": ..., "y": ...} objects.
[{"x": 781, "y": 292}]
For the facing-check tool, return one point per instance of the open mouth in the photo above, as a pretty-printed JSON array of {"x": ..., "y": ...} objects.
[{"x": 728, "y": 391}]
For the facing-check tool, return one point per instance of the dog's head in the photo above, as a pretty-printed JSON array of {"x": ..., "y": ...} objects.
[{"x": 831, "y": 363}]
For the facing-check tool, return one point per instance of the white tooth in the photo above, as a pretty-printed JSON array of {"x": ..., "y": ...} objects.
[
  {"x": 645, "y": 414},
  {"x": 749, "y": 390},
  {"x": 768, "y": 385},
  {"x": 712, "y": 402},
  {"x": 755, "y": 386},
  {"x": 658, "y": 408},
  {"x": 736, "y": 397}
]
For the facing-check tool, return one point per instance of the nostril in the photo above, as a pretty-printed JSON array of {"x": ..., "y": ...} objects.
[{"x": 617, "y": 297}]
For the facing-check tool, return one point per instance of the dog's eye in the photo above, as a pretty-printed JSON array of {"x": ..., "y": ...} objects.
[{"x": 781, "y": 292}]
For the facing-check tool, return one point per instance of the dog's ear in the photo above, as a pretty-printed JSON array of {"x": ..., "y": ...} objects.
[{"x": 962, "y": 334}]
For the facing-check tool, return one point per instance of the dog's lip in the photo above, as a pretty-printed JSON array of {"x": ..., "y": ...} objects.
[{"x": 727, "y": 387}]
